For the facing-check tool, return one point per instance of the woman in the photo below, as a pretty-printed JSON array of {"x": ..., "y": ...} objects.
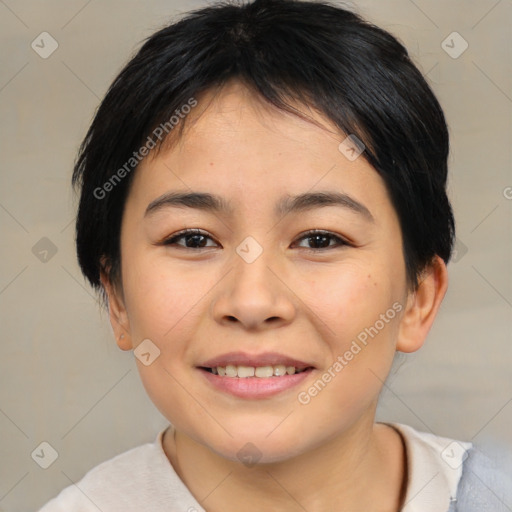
[{"x": 263, "y": 207}]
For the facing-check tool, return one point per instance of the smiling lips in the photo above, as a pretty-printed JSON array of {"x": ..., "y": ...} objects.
[
  {"x": 278, "y": 370},
  {"x": 267, "y": 364},
  {"x": 254, "y": 376}
]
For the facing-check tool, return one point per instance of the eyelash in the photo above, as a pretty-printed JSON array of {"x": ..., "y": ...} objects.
[{"x": 340, "y": 242}]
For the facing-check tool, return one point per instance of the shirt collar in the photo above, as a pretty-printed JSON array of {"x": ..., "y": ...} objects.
[{"x": 434, "y": 468}]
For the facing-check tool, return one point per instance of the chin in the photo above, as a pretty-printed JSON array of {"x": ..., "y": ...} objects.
[
  {"x": 250, "y": 453},
  {"x": 259, "y": 442}
]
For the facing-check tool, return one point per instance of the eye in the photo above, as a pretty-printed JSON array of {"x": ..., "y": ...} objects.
[
  {"x": 321, "y": 239},
  {"x": 194, "y": 239},
  {"x": 197, "y": 239}
]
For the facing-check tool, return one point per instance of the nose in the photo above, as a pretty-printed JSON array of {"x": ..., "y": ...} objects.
[{"x": 254, "y": 296}]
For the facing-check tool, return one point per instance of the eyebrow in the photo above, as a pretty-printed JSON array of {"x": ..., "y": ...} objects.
[{"x": 287, "y": 204}]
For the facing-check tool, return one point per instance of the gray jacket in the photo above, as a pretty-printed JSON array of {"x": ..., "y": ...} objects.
[{"x": 484, "y": 486}]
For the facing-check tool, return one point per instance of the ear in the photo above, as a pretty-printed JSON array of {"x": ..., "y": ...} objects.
[
  {"x": 117, "y": 311},
  {"x": 422, "y": 307}
]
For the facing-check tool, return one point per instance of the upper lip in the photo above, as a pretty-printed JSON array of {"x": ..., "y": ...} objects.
[{"x": 254, "y": 360}]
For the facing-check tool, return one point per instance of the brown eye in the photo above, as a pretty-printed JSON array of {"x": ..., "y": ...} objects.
[
  {"x": 319, "y": 240},
  {"x": 194, "y": 239}
]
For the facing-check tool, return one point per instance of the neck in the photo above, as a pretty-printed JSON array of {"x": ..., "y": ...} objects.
[{"x": 363, "y": 466}]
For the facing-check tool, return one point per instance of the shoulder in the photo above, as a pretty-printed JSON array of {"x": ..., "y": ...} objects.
[
  {"x": 485, "y": 484},
  {"x": 448, "y": 475},
  {"x": 141, "y": 478}
]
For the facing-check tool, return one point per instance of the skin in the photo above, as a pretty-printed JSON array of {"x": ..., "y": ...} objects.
[{"x": 307, "y": 303}]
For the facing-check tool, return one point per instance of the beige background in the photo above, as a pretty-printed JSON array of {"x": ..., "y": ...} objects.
[{"x": 62, "y": 378}]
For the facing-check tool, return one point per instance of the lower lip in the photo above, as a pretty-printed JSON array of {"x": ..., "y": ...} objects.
[{"x": 255, "y": 387}]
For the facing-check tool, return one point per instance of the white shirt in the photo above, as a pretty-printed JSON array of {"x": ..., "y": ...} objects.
[
  {"x": 143, "y": 479},
  {"x": 434, "y": 469}
]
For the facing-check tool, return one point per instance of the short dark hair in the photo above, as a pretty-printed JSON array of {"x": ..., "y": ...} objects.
[{"x": 314, "y": 52}]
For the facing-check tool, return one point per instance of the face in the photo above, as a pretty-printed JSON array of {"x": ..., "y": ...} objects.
[{"x": 254, "y": 288}]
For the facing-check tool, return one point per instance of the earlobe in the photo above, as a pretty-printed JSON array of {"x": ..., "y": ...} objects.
[
  {"x": 422, "y": 307},
  {"x": 117, "y": 313},
  {"x": 123, "y": 342}
]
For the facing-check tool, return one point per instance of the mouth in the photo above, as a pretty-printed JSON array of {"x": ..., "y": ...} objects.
[
  {"x": 254, "y": 376},
  {"x": 261, "y": 372}
]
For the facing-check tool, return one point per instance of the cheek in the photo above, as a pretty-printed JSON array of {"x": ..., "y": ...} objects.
[
  {"x": 160, "y": 299},
  {"x": 349, "y": 299},
  {"x": 359, "y": 315},
  {"x": 163, "y": 304}
]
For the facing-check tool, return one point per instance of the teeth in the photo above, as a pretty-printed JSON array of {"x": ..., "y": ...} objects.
[
  {"x": 280, "y": 369},
  {"x": 264, "y": 371},
  {"x": 231, "y": 371},
  {"x": 245, "y": 371},
  {"x": 250, "y": 371}
]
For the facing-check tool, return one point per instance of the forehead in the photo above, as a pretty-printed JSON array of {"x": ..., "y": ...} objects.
[
  {"x": 238, "y": 146},
  {"x": 237, "y": 113}
]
